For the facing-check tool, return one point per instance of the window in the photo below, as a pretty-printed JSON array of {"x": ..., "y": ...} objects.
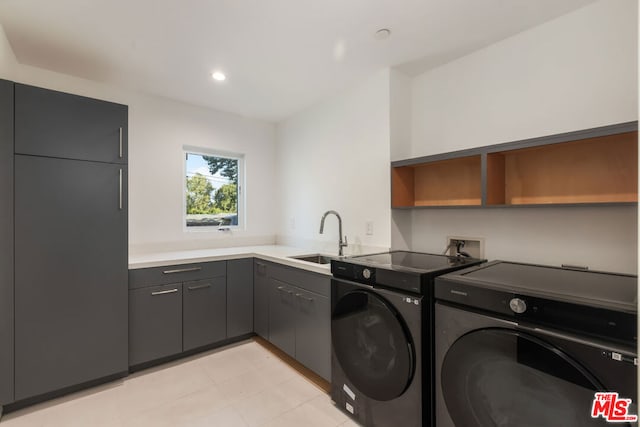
[{"x": 213, "y": 189}]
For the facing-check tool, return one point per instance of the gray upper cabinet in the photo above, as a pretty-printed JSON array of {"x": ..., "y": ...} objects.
[
  {"x": 56, "y": 124},
  {"x": 6, "y": 242},
  {"x": 261, "y": 298},
  {"x": 204, "y": 312},
  {"x": 70, "y": 273},
  {"x": 239, "y": 297}
]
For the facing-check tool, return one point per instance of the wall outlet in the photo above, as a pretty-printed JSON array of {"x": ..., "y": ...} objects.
[
  {"x": 474, "y": 246},
  {"x": 292, "y": 223},
  {"x": 369, "y": 228}
]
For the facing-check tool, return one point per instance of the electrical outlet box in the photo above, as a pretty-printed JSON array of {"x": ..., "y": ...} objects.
[
  {"x": 369, "y": 228},
  {"x": 474, "y": 246}
]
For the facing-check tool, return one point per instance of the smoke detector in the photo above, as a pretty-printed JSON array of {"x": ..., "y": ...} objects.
[{"x": 382, "y": 34}]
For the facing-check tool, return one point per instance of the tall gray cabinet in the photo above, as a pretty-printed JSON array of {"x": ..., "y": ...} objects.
[
  {"x": 6, "y": 242},
  {"x": 70, "y": 225}
]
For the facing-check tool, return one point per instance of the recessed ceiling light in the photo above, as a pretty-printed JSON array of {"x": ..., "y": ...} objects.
[
  {"x": 382, "y": 34},
  {"x": 218, "y": 76}
]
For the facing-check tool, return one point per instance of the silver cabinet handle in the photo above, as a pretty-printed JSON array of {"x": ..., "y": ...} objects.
[
  {"x": 120, "y": 142},
  {"x": 193, "y": 288},
  {"x": 304, "y": 298},
  {"x": 170, "y": 291},
  {"x": 282, "y": 289},
  {"x": 182, "y": 270},
  {"x": 120, "y": 191}
]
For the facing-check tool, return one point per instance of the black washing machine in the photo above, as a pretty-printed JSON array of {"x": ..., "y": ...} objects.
[
  {"x": 528, "y": 345},
  {"x": 381, "y": 335}
]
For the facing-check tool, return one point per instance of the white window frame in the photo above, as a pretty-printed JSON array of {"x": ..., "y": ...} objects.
[{"x": 241, "y": 189}]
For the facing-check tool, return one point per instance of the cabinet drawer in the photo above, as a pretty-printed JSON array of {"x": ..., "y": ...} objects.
[
  {"x": 56, "y": 124},
  {"x": 142, "y": 277},
  {"x": 310, "y": 281},
  {"x": 155, "y": 323}
]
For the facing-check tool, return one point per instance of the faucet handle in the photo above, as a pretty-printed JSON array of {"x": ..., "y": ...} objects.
[{"x": 345, "y": 243}]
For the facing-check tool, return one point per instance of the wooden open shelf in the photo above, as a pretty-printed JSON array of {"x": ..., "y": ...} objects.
[
  {"x": 586, "y": 167},
  {"x": 593, "y": 170},
  {"x": 451, "y": 182}
]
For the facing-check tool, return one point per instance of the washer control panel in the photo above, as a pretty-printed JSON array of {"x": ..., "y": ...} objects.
[{"x": 358, "y": 273}]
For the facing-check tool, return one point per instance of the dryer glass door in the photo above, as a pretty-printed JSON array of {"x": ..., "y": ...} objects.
[
  {"x": 372, "y": 345},
  {"x": 503, "y": 377}
]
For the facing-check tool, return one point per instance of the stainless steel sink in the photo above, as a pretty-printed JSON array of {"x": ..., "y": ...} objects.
[{"x": 315, "y": 258}]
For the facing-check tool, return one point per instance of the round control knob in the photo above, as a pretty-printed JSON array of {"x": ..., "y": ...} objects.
[
  {"x": 517, "y": 305},
  {"x": 366, "y": 273}
]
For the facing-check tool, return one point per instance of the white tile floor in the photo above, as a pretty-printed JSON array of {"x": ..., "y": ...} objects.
[{"x": 240, "y": 385}]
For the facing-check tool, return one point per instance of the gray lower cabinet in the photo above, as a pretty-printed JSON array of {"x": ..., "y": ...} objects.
[
  {"x": 155, "y": 322},
  {"x": 313, "y": 332},
  {"x": 239, "y": 297},
  {"x": 287, "y": 306},
  {"x": 260, "y": 299},
  {"x": 297, "y": 313},
  {"x": 166, "y": 319},
  {"x": 204, "y": 312},
  {"x": 282, "y": 316},
  {"x": 6, "y": 242}
]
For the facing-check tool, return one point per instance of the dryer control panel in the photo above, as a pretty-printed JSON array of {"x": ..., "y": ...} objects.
[{"x": 571, "y": 317}]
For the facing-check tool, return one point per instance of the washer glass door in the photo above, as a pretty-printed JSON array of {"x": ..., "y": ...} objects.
[
  {"x": 502, "y": 377},
  {"x": 372, "y": 345}
]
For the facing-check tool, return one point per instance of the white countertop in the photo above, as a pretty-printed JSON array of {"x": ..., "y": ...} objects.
[{"x": 275, "y": 253}]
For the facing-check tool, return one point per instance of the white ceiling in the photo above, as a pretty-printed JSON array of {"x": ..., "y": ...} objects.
[{"x": 280, "y": 56}]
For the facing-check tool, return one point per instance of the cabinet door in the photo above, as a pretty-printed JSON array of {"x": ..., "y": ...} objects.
[
  {"x": 313, "y": 332},
  {"x": 282, "y": 315},
  {"x": 6, "y": 242},
  {"x": 70, "y": 273},
  {"x": 155, "y": 322},
  {"x": 204, "y": 312},
  {"x": 261, "y": 299},
  {"x": 239, "y": 297},
  {"x": 56, "y": 124}
]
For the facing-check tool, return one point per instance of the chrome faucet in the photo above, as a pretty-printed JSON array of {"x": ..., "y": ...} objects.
[{"x": 341, "y": 244}]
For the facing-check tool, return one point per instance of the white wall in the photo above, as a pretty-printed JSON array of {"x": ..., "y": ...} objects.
[
  {"x": 7, "y": 58},
  {"x": 575, "y": 72},
  {"x": 158, "y": 129},
  {"x": 578, "y": 71},
  {"x": 400, "y": 122},
  {"x": 335, "y": 155},
  {"x": 602, "y": 238},
  {"x": 162, "y": 127}
]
